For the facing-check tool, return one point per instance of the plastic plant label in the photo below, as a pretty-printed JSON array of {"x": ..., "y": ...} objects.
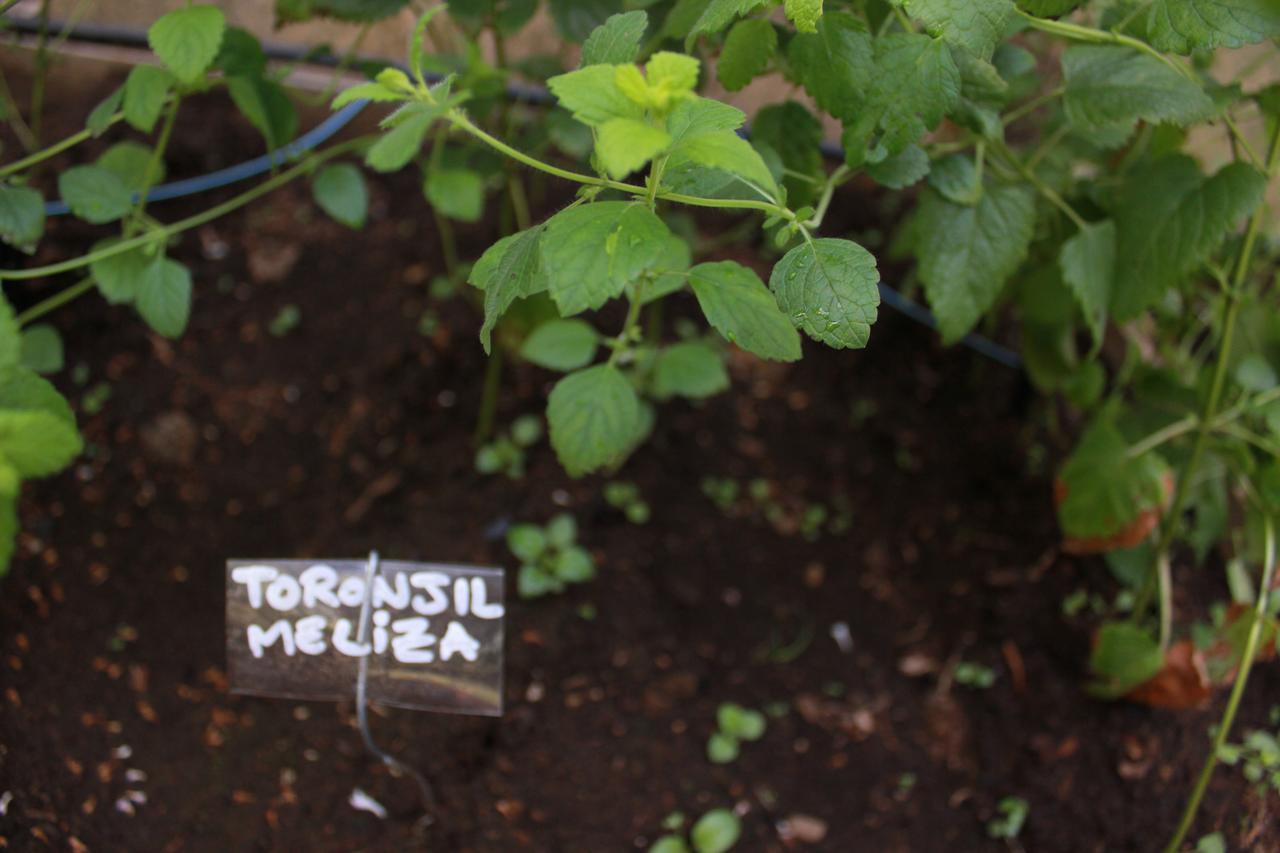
[{"x": 434, "y": 638}]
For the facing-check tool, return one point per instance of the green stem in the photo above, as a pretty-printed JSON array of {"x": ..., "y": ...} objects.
[
  {"x": 164, "y": 232},
  {"x": 1077, "y": 32},
  {"x": 59, "y": 299},
  {"x": 624, "y": 337},
  {"x": 14, "y": 114},
  {"x": 1160, "y": 436},
  {"x": 1032, "y": 105},
  {"x": 7, "y": 5},
  {"x": 157, "y": 155},
  {"x": 1044, "y": 189},
  {"x": 838, "y": 177},
  {"x": 1237, "y": 689},
  {"x": 448, "y": 241},
  {"x": 489, "y": 396},
  {"x": 53, "y": 150}
]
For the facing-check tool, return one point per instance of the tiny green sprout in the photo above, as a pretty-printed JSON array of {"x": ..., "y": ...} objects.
[
  {"x": 428, "y": 323},
  {"x": 736, "y": 724},
  {"x": 1258, "y": 757},
  {"x": 722, "y": 491},
  {"x": 674, "y": 822},
  {"x": 1211, "y": 843},
  {"x": 285, "y": 321},
  {"x": 974, "y": 675},
  {"x": 812, "y": 520},
  {"x": 1074, "y": 603},
  {"x": 625, "y": 496},
  {"x": 95, "y": 399},
  {"x": 550, "y": 557},
  {"x": 442, "y": 287},
  {"x": 906, "y": 782},
  {"x": 759, "y": 490},
  {"x": 715, "y": 832},
  {"x": 1012, "y": 817},
  {"x": 506, "y": 453}
]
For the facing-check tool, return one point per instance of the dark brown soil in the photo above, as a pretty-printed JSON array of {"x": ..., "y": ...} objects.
[{"x": 353, "y": 431}]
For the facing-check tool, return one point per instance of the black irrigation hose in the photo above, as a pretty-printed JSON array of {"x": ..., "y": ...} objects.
[{"x": 106, "y": 34}]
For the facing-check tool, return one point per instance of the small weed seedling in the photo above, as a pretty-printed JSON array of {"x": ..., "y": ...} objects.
[
  {"x": 1012, "y": 817},
  {"x": 736, "y": 724},
  {"x": 285, "y": 321},
  {"x": 1212, "y": 843},
  {"x": 550, "y": 556},
  {"x": 715, "y": 832},
  {"x": 625, "y": 496},
  {"x": 505, "y": 454},
  {"x": 789, "y": 515},
  {"x": 1258, "y": 758},
  {"x": 974, "y": 675}
]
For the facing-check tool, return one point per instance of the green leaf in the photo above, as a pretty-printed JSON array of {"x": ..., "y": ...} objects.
[
  {"x": 1110, "y": 87},
  {"x": 624, "y": 145},
  {"x": 38, "y": 433},
  {"x": 1170, "y": 220},
  {"x": 1255, "y": 373},
  {"x": 187, "y": 40},
  {"x": 593, "y": 251},
  {"x": 145, "y": 91},
  {"x": 527, "y": 542},
  {"x": 901, "y": 170},
  {"x": 533, "y": 582},
  {"x": 8, "y": 523},
  {"x": 562, "y": 530},
  {"x": 804, "y": 14},
  {"x": 577, "y": 19},
  {"x": 120, "y": 276},
  {"x": 728, "y": 152},
  {"x": 398, "y": 146},
  {"x": 747, "y": 52},
  {"x": 739, "y": 307},
  {"x": 100, "y": 116},
  {"x": 966, "y": 253},
  {"x": 1087, "y": 261},
  {"x": 41, "y": 349},
  {"x": 511, "y": 268},
  {"x": 956, "y": 179},
  {"x": 830, "y": 290},
  {"x": 1105, "y": 488},
  {"x": 366, "y": 92},
  {"x": 340, "y": 190},
  {"x": 21, "y": 217},
  {"x": 716, "y": 831},
  {"x": 573, "y": 565},
  {"x": 94, "y": 194},
  {"x": 616, "y": 41},
  {"x": 690, "y": 369},
  {"x": 1123, "y": 657},
  {"x": 740, "y": 722},
  {"x": 593, "y": 415},
  {"x": 267, "y": 107},
  {"x": 129, "y": 162},
  {"x": 718, "y": 14},
  {"x": 669, "y": 844},
  {"x": 164, "y": 297},
  {"x": 241, "y": 54},
  {"x": 722, "y": 748},
  {"x": 10, "y": 345},
  {"x": 976, "y": 25},
  {"x": 1184, "y": 26},
  {"x": 456, "y": 193},
  {"x": 593, "y": 96},
  {"x": 562, "y": 345}
]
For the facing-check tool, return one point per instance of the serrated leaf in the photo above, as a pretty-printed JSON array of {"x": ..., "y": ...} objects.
[
  {"x": 690, "y": 369},
  {"x": 456, "y": 193},
  {"x": 593, "y": 251},
  {"x": 164, "y": 297},
  {"x": 267, "y": 107},
  {"x": 241, "y": 54},
  {"x": 512, "y": 268},
  {"x": 903, "y": 169},
  {"x": 725, "y": 151},
  {"x": 340, "y": 190},
  {"x": 966, "y": 253},
  {"x": 562, "y": 345},
  {"x": 1184, "y": 26},
  {"x": 1087, "y": 261},
  {"x": 739, "y": 306},
  {"x": 747, "y": 52},
  {"x": 956, "y": 179},
  {"x": 366, "y": 92},
  {"x": 397, "y": 147},
  {"x": 41, "y": 349},
  {"x": 145, "y": 91},
  {"x": 129, "y": 161},
  {"x": 1169, "y": 220},
  {"x": 697, "y": 116},
  {"x": 37, "y": 429},
  {"x": 1112, "y": 86},
  {"x": 623, "y": 145},
  {"x": 94, "y": 194},
  {"x": 616, "y": 41},
  {"x": 804, "y": 14},
  {"x": 671, "y": 272},
  {"x": 830, "y": 290},
  {"x": 21, "y": 217},
  {"x": 100, "y": 116},
  {"x": 187, "y": 40},
  {"x": 718, "y": 14},
  {"x": 592, "y": 95},
  {"x": 1103, "y": 489},
  {"x": 593, "y": 415},
  {"x": 976, "y": 25}
]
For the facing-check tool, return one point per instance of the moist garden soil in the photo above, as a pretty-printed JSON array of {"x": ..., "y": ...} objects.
[{"x": 353, "y": 430}]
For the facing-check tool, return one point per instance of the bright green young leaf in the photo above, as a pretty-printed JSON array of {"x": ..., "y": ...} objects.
[
  {"x": 689, "y": 369},
  {"x": 398, "y": 146},
  {"x": 1109, "y": 87},
  {"x": 976, "y": 25},
  {"x": 1169, "y": 220},
  {"x": 41, "y": 349},
  {"x": 37, "y": 429},
  {"x": 696, "y": 116},
  {"x": 669, "y": 844},
  {"x": 748, "y": 50},
  {"x": 1184, "y": 26},
  {"x": 511, "y": 269},
  {"x": 267, "y": 107},
  {"x": 573, "y": 565},
  {"x": 562, "y": 530},
  {"x": 1123, "y": 657},
  {"x": 718, "y": 14},
  {"x": 739, "y": 306},
  {"x": 129, "y": 161},
  {"x": 527, "y": 541},
  {"x": 902, "y": 170},
  {"x": 164, "y": 297},
  {"x": 456, "y": 193},
  {"x": 740, "y": 722},
  {"x": 100, "y": 116},
  {"x": 830, "y": 290},
  {"x": 716, "y": 831},
  {"x": 965, "y": 253},
  {"x": 616, "y": 41},
  {"x": 534, "y": 582},
  {"x": 145, "y": 91},
  {"x": 366, "y": 92},
  {"x": 726, "y": 151},
  {"x": 1104, "y": 488},
  {"x": 623, "y": 145},
  {"x": 10, "y": 336},
  {"x": 593, "y": 251},
  {"x": 593, "y": 415},
  {"x": 562, "y": 345},
  {"x": 722, "y": 748},
  {"x": 340, "y": 190},
  {"x": 21, "y": 217},
  {"x": 187, "y": 40},
  {"x": 1087, "y": 260},
  {"x": 94, "y": 194},
  {"x": 593, "y": 96},
  {"x": 804, "y": 14}
]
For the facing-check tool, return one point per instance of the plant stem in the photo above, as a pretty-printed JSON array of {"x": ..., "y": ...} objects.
[
  {"x": 53, "y": 150},
  {"x": 489, "y": 396},
  {"x": 839, "y": 176},
  {"x": 14, "y": 114},
  {"x": 59, "y": 299},
  {"x": 1044, "y": 189},
  {"x": 448, "y": 241},
  {"x": 1160, "y": 436},
  {"x": 633, "y": 314},
  {"x": 1032, "y": 105},
  {"x": 157, "y": 155},
  {"x": 1077, "y": 32},
  {"x": 1237, "y": 689},
  {"x": 163, "y": 232}
]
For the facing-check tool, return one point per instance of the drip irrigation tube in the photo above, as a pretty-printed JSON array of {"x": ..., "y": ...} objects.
[{"x": 318, "y": 135}]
